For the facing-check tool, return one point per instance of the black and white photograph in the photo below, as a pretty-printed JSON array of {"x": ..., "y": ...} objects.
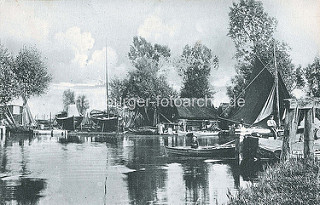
[{"x": 167, "y": 102}]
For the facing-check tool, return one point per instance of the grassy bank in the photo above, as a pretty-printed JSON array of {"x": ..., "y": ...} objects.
[{"x": 292, "y": 182}]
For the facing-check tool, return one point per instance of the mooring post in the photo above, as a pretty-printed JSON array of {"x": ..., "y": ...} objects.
[
  {"x": 308, "y": 133},
  {"x": 290, "y": 129},
  {"x": 236, "y": 137}
]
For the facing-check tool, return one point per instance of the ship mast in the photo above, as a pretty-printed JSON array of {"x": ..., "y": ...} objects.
[
  {"x": 107, "y": 79},
  {"x": 276, "y": 83}
]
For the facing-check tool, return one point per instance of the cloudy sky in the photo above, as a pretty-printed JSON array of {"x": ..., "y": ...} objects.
[{"x": 74, "y": 35}]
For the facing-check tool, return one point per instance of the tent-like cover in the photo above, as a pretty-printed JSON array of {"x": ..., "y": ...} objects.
[
  {"x": 260, "y": 98},
  {"x": 190, "y": 109},
  {"x": 196, "y": 113}
]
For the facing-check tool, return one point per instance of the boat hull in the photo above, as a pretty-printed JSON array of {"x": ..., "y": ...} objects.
[
  {"x": 49, "y": 132},
  {"x": 106, "y": 124},
  {"x": 222, "y": 152},
  {"x": 69, "y": 123}
]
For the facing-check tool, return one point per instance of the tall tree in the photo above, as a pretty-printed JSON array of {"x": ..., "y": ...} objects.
[
  {"x": 312, "y": 72},
  {"x": 82, "y": 104},
  {"x": 117, "y": 87},
  {"x": 144, "y": 81},
  {"x": 142, "y": 50},
  {"x": 31, "y": 73},
  {"x": 8, "y": 83},
  {"x": 195, "y": 67},
  {"x": 252, "y": 30},
  {"x": 68, "y": 99}
]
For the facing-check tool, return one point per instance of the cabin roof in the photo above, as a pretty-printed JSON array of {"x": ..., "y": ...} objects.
[{"x": 196, "y": 111}]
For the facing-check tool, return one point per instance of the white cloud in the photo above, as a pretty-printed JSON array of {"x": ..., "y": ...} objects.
[
  {"x": 99, "y": 57},
  {"x": 80, "y": 42},
  {"x": 154, "y": 27},
  {"x": 98, "y": 62},
  {"x": 20, "y": 21}
]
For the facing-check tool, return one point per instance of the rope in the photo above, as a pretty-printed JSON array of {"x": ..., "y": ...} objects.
[{"x": 247, "y": 85}]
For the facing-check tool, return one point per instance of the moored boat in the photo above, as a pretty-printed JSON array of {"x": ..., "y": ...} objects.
[
  {"x": 264, "y": 96},
  {"x": 144, "y": 131},
  {"x": 106, "y": 122},
  {"x": 69, "y": 120},
  {"x": 203, "y": 133},
  {"x": 69, "y": 123},
  {"x": 223, "y": 151},
  {"x": 206, "y": 133}
]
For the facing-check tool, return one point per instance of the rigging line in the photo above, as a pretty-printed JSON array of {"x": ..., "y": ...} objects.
[{"x": 247, "y": 86}]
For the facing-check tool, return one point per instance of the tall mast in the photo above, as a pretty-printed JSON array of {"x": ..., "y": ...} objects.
[
  {"x": 276, "y": 82},
  {"x": 107, "y": 78}
]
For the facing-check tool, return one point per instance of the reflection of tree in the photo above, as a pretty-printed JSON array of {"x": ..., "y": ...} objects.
[
  {"x": 250, "y": 169},
  {"x": 144, "y": 186},
  {"x": 196, "y": 180},
  {"x": 235, "y": 171},
  {"x": 146, "y": 183},
  {"x": 70, "y": 139},
  {"x": 146, "y": 151},
  {"x": 3, "y": 160},
  {"x": 24, "y": 191}
]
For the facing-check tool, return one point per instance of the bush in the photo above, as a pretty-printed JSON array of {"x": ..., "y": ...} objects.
[{"x": 292, "y": 182}]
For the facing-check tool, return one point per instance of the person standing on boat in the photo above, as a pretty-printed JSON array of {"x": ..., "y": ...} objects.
[
  {"x": 272, "y": 125},
  {"x": 194, "y": 143}
]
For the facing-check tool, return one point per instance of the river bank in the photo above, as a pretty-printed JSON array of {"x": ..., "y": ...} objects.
[{"x": 291, "y": 182}]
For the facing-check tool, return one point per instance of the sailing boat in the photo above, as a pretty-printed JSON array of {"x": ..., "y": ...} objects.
[
  {"x": 264, "y": 96},
  {"x": 71, "y": 120},
  {"x": 106, "y": 121}
]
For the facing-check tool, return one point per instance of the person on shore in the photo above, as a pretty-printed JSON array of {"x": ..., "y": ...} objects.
[
  {"x": 272, "y": 125},
  {"x": 160, "y": 128},
  {"x": 194, "y": 143},
  {"x": 241, "y": 124}
]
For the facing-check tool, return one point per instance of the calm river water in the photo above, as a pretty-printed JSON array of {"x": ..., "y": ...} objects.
[{"x": 124, "y": 169}]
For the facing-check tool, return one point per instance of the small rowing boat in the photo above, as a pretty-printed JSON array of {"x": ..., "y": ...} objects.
[
  {"x": 203, "y": 133},
  {"x": 224, "y": 151}
]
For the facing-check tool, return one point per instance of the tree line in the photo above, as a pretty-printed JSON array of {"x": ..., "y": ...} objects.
[
  {"x": 250, "y": 27},
  {"x": 146, "y": 81}
]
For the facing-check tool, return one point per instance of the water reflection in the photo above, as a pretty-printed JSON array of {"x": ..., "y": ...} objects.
[
  {"x": 21, "y": 190},
  {"x": 119, "y": 169}
]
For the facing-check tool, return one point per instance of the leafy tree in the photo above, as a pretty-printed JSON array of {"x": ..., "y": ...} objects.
[
  {"x": 252, "y": 29},
  {"x": 141, "y": 50},
  {"x": 82, "y": 104},
  {"x": 313, "y": 77},
  {"x": 195, "y": 67},
  {"x": 31, "y": 73},
  {"x": 8, "y": 83},
  {"x": 117, "y": 87},
  {"x": 145, "y": 81},
  {"x": 68, "y": 99}
]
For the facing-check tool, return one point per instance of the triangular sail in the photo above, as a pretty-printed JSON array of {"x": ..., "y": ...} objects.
[
  {"x": 27, "y": 118},
  {"x": 268, "y": 106},
  {"x": 72, "y": 110},
  {"x": 258, "y": 96}
]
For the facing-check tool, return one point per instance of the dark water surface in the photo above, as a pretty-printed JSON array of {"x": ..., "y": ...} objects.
[{"x": 124, "y": 169}]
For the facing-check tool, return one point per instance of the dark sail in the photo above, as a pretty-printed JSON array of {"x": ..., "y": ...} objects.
[{"x": 260, "y": 97}]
